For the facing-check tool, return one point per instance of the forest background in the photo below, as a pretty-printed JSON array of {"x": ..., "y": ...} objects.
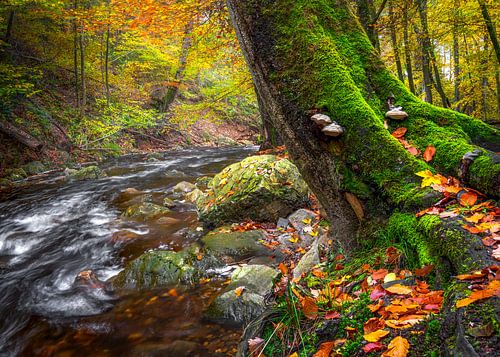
[{"x": 84, "y": 79}]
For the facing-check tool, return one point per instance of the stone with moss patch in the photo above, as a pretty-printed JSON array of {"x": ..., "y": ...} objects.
[
  {"x": 86, "y": 173},
  {"x": 145, "y": 211},
  {"x": 262, "y": 188}
]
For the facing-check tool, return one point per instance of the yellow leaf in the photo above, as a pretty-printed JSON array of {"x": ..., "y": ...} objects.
[
  {"x": 389, "y": 277},
  {"x": 376, "y": 336},
  {"x": 307, "y": 221},
  {"x": 294, "y": 239},
  {"x": 295, "y": 354},
  {"x": 398, "y": 347},
  {"x": 399, "y": 289},
  {"x": 430, "y": 179}
]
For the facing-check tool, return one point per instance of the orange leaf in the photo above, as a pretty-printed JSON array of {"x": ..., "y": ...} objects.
[
  {"x": 413, "y": 150},
  {"x": 325, "y": 349},
  {"x": 398, "y": 347},
  {"x": 424, "y": 271},
  {"x": 318, "y": 273},
  {"x": 332, "y": 315},
  {"x": 372, "y": 325},
  {"x": 475, "y": 218},
  {"x": 283, "y": 268},
  {"x": 376, "y": 335},
  {"x": 377, "y": 306},
  {"x": 468, "y": 199},
  {"x": 473, "y": 276},
  {"x": 399, "y": 289},
  {"x": 399, "y": 133},
  {"x": 309, "y": 308},
  {"x": 379, "y": 274},
  {"x": 239, "y": 290},
  {"x": 475, "y": 296},
  {"x": 429, "y": 153}
]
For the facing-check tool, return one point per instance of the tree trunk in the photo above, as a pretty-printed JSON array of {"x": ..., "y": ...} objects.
[
  {"x": 406, "y": 42},
  {"x": 456, "y": 60},
  {"x": 82, "y": 66},
  {"x": 394, "y": 42},
  {"x": 106, "y": 56},
  {"x": 10, "y": 23},
  {"x": 173, "y": 90},
  {"x": 306, "y": 56},
  {"x": 497, "y": 81},
  {"x": 20, "y": 135},
  {"x": 270, "y": 136},
  {"x": 491, "y": 28},
  {"x": 366, "y": 13},
  {"x": 75, "y": 57},
  {"x": 424, "y": 45}
]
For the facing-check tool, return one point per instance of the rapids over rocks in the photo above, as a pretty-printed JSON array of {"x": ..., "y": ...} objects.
[{"x": 51, "y": 234}]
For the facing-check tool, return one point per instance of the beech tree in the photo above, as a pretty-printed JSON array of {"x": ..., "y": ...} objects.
[{"x": 314, "y": 56}]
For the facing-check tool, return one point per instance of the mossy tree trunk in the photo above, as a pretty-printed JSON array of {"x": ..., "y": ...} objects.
[
  {"x": 313, "y": 55},
  {"x": 307, "y": 56}
]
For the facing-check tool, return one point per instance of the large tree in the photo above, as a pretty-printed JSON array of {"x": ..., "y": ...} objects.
[{"x": 309, "y": 56}]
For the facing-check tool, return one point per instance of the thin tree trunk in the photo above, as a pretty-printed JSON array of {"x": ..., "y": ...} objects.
[
  {"x": 82, "y": 66},
  {"x": 497, "y": 80},
  {"x": 106, "y": 56},
  {"x": 406, "y": 42},
  {"x": 75, "y": 57},
  {"x": 425, "y": 45},
  {"x": 366, "y": 13},
  {"x": 394, "y": 42},
  {"x": 10, "y": 23},
  {"x": 491, "y": 28},
  {"x": 172, "y": 91},
  {"x": 456, "y": 56}
]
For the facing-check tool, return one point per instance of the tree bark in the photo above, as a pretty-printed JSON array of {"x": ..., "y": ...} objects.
[
  {"x": 424, "y": 46},
  {"x": 406, "y": 42},
  {"x": 491, "y": 28},
  {"x": 456, "y": 60},
  {"x": 366, "y": 13},
  {"x": 173, "y": 90},
  {"x": 75, "y": 56},
  {"x": 81, "y": 41},
  {"x": 394, "y": 42}
]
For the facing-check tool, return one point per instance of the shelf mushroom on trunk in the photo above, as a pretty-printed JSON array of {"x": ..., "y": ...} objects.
[
  {"x": 328, "y": 127},
  {"x": 395, "y": 113}
]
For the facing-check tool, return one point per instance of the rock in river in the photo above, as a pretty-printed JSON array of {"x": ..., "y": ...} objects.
[
  {"x": 262, "y": 188},
  {"x": 245, "y": 297},
  {"x": 145, "y": 211}
]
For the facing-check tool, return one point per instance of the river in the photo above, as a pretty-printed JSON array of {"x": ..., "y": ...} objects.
[{"x": 50, "y": 234}]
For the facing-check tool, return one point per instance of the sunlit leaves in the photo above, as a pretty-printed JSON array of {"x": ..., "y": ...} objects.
[{"x": 398, "y": 347}]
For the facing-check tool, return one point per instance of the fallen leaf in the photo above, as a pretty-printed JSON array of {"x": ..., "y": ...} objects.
[
  {"x": 430, "y": 179},
  {"x": 373, "y": 347},
  {"x": 309, "y": 308},
  {"x": 475, "y": 296},
  {"x": 376, "y": 335},
  {"x": 390, "y": 277},
  {"x": 372, "y": 325},
  {"x": 429, "y": 153},
  {"x": 398, "y": 347},
  {"x": 377, "y": 306},
  {"x": 413, "y": 150},
  {"x": 239, "y": 290},
  {"x": 468, "y": 199},
  {"x": 332, "y": 315},
  {"x": 379, "y": 274},
  {"x": 399, "y": 289},
  {"x": 424, "y": 271},
  {"x": 377, "y": 293},
  {"x": 475, "y": 218},
  {"x": 356, "y": 205},
  {"x": 399, "y": 132},
  {"x": 255, "y": 344},
  {"x": 325, "y": 349},
  {"x": 283, "y": 268}
]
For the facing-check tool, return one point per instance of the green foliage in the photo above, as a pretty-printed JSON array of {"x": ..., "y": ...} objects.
[{"x": 16, "y": 82}]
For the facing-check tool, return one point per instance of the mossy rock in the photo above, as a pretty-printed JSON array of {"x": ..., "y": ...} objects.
[
  {"x": 183, "y": 187},
  {"x": 262, "y": 188},
  {"x": 34, "y": 167},
  {"x": 236, "y": 245},
  {"x": 145, "y": 211},
  {"x": 239, "y": 309},
  {"x": 16, "y": 174},
  {"x": 202, "y": 182},
  {"x": 156, "y": 269},
  {"x": 86, "y": 173}
]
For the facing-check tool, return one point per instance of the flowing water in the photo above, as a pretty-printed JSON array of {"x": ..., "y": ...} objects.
[{"x": 50, "y": 234}]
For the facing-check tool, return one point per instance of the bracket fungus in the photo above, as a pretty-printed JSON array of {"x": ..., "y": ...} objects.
[
  {"x": 328, "y": 127},
  {"x": 395, "y": 113}
]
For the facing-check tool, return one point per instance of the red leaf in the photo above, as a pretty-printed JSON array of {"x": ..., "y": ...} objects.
[
  {"x": 377, "y": 293},
  {"x": 373, "y": 347},
  {"x": 413, "y": 150},
  {"x": 429, "y": 153},
  {"x": 424, "y": 271},
  {"x": 399, "y": 133},
  {"x": 309, "y": 308},
  {"x": 332, "y": 315}
]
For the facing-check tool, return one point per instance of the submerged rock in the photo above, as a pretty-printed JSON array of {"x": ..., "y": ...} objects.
[
  {"x": 145, "y": 211},
  {"x": 262, "y": 188},
  {"x": 156, "y": 269},
  {"x": 244, "y": 298}
]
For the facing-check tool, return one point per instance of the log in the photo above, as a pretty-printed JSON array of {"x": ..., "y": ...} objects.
[{"x": 20, "y": 135}]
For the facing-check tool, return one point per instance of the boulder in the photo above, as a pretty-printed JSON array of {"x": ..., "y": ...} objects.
[
  {"x": 167, "y": 202},
  {"x": 16, "y": 174},
  {"x": 145, "y": 211},
  {"x": 236, "y": 245},
  {"x": 194, "y": 195},
  {"x": 262, "y": 188},
  {"x": 202, "y": 182},
  {"x": 183, "y": 187},
  {"x": 244, "y": 298}
]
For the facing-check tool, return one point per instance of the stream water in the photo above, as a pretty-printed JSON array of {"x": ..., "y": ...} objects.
[{"x": 49, "y": 235}]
